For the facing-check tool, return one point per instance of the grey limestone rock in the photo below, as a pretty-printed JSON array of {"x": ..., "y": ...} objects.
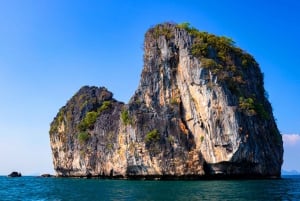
[{"x": 200, "y": 111}]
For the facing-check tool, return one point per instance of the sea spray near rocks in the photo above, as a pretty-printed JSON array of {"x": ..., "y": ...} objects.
[{"x": 199, "y": 111}]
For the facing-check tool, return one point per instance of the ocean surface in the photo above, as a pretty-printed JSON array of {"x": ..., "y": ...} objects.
[{"x": 59, "y": 189}]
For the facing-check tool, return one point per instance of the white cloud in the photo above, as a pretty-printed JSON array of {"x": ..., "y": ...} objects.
[{"x": 291, "y": 139}]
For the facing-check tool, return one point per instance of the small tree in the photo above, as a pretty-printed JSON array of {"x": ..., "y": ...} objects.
[
  {"x": 125, "y": 117},
  {"x": 88, "y": 121},
  {"x": 105, "y": 105},
  {"x": 152, "y": 136}
]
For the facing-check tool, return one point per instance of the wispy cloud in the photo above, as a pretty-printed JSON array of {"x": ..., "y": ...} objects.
[{"x": 291, "y": 139}]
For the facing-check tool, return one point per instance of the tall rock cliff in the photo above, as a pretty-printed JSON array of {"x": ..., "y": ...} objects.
[{"x": 199, "y": 111}]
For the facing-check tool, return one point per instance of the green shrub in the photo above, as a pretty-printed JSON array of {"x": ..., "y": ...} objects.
[
  {"x": 162, "y": 31},
  {"x": 227, "y": 41},
  {"x": 60, "y": 117},
  {"x": 152, "y": 136},
  {"x": 251, "y": 108},
  {"x": 90, "y": 118},
  {"x": 82, "y": 126},
  {"x": 202, "y": 138},
  {"x": 200, "y": 50},
  {"x": 247, "y": 105},
  {"x": 105, "y": 105},
  {"x": 184, "y": 25},
  {"x": 58, "y": 120},
  {"x": 152, "y": 139},
  {"x": 188, "y": 28},
  {"x": 88, "y": 121},
  {"x": 208, "y": 63},
  {"x": 125, "y": 117},
  {"x": 83, "y": 137}
]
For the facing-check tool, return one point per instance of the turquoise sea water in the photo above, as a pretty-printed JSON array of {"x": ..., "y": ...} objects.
[{"x": 58, "y": 189}]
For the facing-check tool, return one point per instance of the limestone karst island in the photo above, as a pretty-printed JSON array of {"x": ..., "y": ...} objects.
[{"x": 200, "y": 111}]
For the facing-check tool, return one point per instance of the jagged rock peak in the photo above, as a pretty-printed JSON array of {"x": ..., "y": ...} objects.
[{"x": 200, "y": 110}]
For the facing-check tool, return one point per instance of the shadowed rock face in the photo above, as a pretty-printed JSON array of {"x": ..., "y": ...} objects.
[{"x": 199, "y": 111}]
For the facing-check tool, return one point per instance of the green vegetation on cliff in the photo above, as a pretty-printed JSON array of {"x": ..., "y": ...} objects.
[
  {"x": 152, "y": 136},
  {"x": 250, "y": 108},
  {"x": 88, "y": 121},
  {"x": 162, "y": 31},
  {"x": 126, "y": 119},
  {"x": 90, "y": 118},
  {"x": 247, "y": 105},
  {"x": 220, "y": 55},
  {"x": 152, "y": 139},
  {"x": 57, "y": 121},
  {"x": 229, "y": 64},
  {"x": 83, "y": 137},
  {"x": 105, "y": 105}
]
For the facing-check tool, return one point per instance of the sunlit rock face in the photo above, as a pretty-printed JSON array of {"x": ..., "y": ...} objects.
[{"x": 199, "y": 111}]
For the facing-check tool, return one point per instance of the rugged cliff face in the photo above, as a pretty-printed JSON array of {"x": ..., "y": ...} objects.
[{"x": 200, "y": 111}]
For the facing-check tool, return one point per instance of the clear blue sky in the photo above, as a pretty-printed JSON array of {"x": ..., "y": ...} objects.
[{"x": 49, "y": 49}]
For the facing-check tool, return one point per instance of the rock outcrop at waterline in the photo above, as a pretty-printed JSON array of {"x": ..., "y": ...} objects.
[
  {"x": 199, "y": 111},
  {"x": 15, "y": 174}
]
